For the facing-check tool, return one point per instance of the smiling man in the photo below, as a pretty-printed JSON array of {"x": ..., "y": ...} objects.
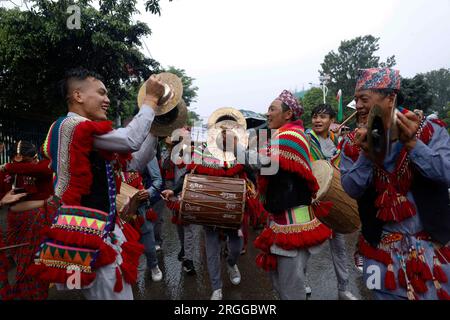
[
  {"x": 294, "y": 231},
  {"x": 86, "y": 156},
  {"x": 403, "y": 201},
  {"x": 323, "y": 146}
]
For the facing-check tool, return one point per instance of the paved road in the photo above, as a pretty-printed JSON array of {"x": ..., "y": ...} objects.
[{"x": 255, "y": 283}]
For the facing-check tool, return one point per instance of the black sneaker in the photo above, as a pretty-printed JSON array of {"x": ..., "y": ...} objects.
[
  {"x": 181, "y": 255},
  {"x": 188, "y": 267}
]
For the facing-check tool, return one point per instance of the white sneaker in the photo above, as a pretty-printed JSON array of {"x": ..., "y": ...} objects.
[
  {"x": 235, "y": 275},
  {"x": 217, "y": 295},
  {"x": 346, "y": 295},
  {"x": 156, "y": 274},
  {"x": 308, "y": 290},
  {"x": 359, "y": 262}
]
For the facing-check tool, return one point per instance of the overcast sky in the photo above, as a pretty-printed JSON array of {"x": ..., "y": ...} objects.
[{"x": 242, "y": 53}]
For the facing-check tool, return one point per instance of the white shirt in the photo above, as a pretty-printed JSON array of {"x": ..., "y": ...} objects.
[{"x": 135, "y": 137}]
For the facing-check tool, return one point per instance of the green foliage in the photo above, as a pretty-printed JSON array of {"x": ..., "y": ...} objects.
[
  {"x": 192, "y": 118},
  {"x": 416, "y": 93},
  {"x": 153, "y": 6},
  {"x": 189, "y": 90},
  {"x": 312, "y": 98},
  {"x": 36, "y": 48},
  {"x": 439, "y": 84},
  {"x": 446, "y": 117},
  {"x": 342, "y": 66}
]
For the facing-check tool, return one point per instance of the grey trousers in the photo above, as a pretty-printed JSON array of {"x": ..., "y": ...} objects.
[
  {"x": 212, "y": 243},
  {"x": 339, "y": 257},
  {"x": 186, "y": 235},
  {"x": 159, "y": 208},
  {"x": 289, "y": 278}
]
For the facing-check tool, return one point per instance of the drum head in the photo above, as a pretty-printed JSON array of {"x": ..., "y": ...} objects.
[{"x": 323, "y": 171}]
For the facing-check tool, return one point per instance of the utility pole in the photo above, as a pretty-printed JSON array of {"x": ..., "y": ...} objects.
[{"x": 323, "y": 83}]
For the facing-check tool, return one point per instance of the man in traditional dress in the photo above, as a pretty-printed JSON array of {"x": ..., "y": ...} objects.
[
  {"x": 403, "y": 199},
  {"x": 323, "y": 145},
  {"x": 87, "y": 156},
  {"x": 294, "y": 231}
]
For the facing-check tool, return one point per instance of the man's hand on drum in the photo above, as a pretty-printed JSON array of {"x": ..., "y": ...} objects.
[
  {"x": 167, "y": 194},
  {"x": 154, "y": 91},
  {"x": 361, "y": 139}
]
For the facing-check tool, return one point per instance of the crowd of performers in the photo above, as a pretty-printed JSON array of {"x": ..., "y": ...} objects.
[{"x": 62, "y": 210}]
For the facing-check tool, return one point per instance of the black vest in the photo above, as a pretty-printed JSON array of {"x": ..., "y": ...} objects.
[
  {"x": 98, "y": 197},
  {"x": 286, "y": 190}
]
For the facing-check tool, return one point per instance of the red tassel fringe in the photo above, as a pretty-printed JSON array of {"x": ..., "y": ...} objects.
[
  {"x": 389, "y": 280},
  {"x": 322, "y": 208},
  {"x": 80, "y": 167},
  {"x": 391, "y": 208},
  {"x": 218, "y": 172},
  {"x": 439, "y": 274},
  {"x": 256, "y": 211},
  {"x": 175, "y": 220},
  {"x": 106, "y": 255},
  {"x": 443, "y": 255},
  {"x": 173, "y": 205},
  {"x": 402, "y": 278},
  {"x": 151, "y": 215},
  {"x": 56, "y": 275},
  {"x": 425, "y": 272},
  {"x": 130, "y": 233},
  {"x": 131, "y": 251},
  {"x": 266, "y": 261},
  {"x": 290, "y": 241},
  {"x": 419, "y": 285},
  {"x": 118, "y": 286},
  {"x": 443, "y": 295},
  {"x": 374, "y": 253}
]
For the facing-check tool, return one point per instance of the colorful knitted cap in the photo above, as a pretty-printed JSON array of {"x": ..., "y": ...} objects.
[
  {"x": 289, "y": 99},
  {"x": 378, "y": 78},
  {"x": 292, "y": 148}
]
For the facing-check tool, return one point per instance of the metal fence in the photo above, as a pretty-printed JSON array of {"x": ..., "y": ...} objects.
[{"x": 14, "y": 128}]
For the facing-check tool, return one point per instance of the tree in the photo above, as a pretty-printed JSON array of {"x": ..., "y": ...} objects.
[
  {"x": 192, "y": 118},
  {"x": 312, "y": 98},
  {"x": 416, "y": 93},
  {"x": 343, "y": 66},
  {"x": 189, "y": 90},
  {"x": 36, "y": 47},
  {"x": 439, "y": 84},
  {"x": 153, "y": 6}
]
